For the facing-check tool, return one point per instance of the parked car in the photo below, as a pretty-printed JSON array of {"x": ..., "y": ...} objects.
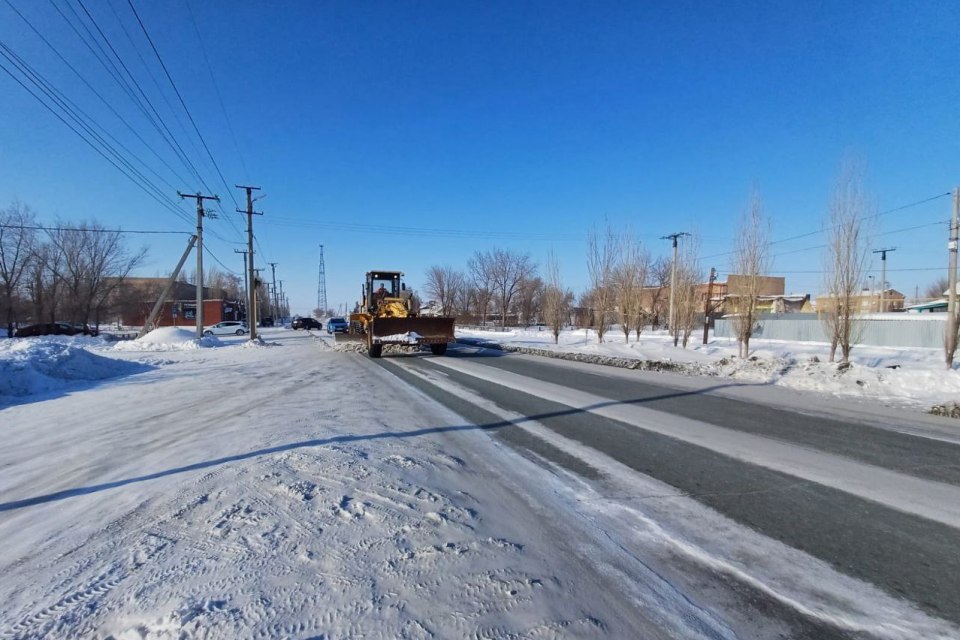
[
  {"x": 266, "y": 322},
  {"x": 55, "y": 329},
  {"x": 337, "y": 325},
  {"x": 227, "y": 328},
  {"x": 306, "y": 323}
]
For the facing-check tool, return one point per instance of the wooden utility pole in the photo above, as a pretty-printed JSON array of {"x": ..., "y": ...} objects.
[
  {"x": 673, "y": 275},
  {"x": 199, "y": 284},
  {"x": 951, "y": 340},
  {"x": 273, "y": 277},
  {"x": 706, "y": 305},
  {"x": 252, "y": 286},
  {"x": 246, "y": 282},
  {"x": 883, "y": 276}
]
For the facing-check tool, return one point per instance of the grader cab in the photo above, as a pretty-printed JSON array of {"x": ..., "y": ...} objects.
[{"x": 388, "y": 313}]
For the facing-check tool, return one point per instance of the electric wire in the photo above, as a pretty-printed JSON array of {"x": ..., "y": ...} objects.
[
  {"x": 135, "y": 84},
  {"x": 146, "y": 190},
  {"x": 77, "y": 115},
  {"x": 182, "y": 102},
  {"x": 92, "y": 230},
  {"x": 159, "y": 126},
  {"x": 102, "y": 99}
]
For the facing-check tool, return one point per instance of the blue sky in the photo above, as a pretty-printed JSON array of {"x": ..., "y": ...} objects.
[{"x": 526, "y": 123}]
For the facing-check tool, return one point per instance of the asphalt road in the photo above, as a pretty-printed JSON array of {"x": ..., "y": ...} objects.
[{"x": 882, "y": 542}]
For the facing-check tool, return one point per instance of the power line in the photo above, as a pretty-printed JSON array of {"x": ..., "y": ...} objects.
[
  {"x": 182, "y": 102},
  {"x": 164, "y": 203},
  {"x": 216, "y": 88},
  {"x": 155, "y": 120},
  {"x": 93, "y": 230},
  {"x": 80, "y": 117},
  {"x": 825, "y": 229},
  {"x": 217, "y": 260}
]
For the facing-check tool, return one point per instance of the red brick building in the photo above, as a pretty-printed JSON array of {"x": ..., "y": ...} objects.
[{"x": 136, "y": 296}]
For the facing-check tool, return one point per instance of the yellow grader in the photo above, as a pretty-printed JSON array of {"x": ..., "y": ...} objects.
[{"x": 388, "y": 314}]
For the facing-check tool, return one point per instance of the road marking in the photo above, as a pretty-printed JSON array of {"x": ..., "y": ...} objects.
[{"x": 925, "y": 498}]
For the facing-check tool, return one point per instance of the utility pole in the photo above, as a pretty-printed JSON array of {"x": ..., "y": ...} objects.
[
  {"x": 280, "y": 296},
  {"x": 673, "y": 275},
  {"x": 706, "y": 305},
  {"x": 246, "y": 282},
  {"x": 883, "y": 276},
  {"x": 276, "y": 300},
  {"x": 200, "y": 214},
  {"x": 251, "y": 288},
  {"x": 951, "y": 340}
]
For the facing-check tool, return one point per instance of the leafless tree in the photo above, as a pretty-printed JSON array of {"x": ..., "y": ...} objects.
[
  {"x": 481, "y": 274},
  {"x": 444, "y": 285},
  {"x": 686, "y": 301},
  {"x": 659, "y": 286},
  {"x": 628, "y": 281},
  {"x": 602, "y": 257},
  {"x": 935, "y": 290},
  {"x": 17, "y": 243},
  {"x": 751, "y": 261},
  {"x": 500, "y": 273},
  {"x": 529, "y": 300},
  {"x": 845, "y": 260},
  {"x": 557, "y": 299},
  {"x": 94, "y": 262}
]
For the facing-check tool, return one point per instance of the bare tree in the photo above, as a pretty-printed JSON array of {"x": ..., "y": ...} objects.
[
  {"x": 686, "y": 301},
  {"x": 602, "y": 257},
  {"x": 845, "y": 260},
  {"x": 935, "y": 290},
  {"x": 444, "y": 284},
  {"x": 628, "y": 283},
  {"x": 481, "y": 274},
  {"x": 93, "y": 263},
  {"x": 17, "y": 243},
  {"x": 751, "y": 261},
  {"x": 557, "y": 299},
  {"x": 500, "y": 273},
  {"x": 529, "y": 300},
  {"x": 659, "y": 281}
]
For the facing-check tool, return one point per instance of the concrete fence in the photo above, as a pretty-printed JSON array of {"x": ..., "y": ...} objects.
[{"x": 878, "y": 330}]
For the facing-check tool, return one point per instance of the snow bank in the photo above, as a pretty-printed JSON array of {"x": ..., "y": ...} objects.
[
  {"x": 37, "y": 365},
  {"x": 169, "y": 339},
  {"x": 908, "y": 376}
]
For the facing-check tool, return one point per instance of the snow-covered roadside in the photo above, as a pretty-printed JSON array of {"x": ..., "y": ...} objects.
[
  {"x": 910, "y": 377},
  {"x": 268, "y": 493}
]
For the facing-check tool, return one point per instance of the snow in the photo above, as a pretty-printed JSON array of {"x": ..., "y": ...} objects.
[
  {"x": 410, "y": 337},
  {"x": 169, "y": 339},
  {"x": 906, "y": 377},
  {"x": 30, "y": 366},
  {"x": 259, "y": 492}
]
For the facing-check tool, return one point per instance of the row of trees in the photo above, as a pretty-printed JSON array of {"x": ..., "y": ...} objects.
[
  {"x": 631, "y": 289},
  {"x": 68, "y": 272}
]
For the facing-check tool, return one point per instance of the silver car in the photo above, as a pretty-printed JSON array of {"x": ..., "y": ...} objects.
[{"x": 227, "y": 328}]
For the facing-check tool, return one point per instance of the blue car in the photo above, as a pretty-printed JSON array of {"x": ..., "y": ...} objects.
[{"x": 337, "y": 325}]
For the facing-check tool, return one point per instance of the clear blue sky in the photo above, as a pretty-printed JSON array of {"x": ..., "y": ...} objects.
[{"x": 524, "y": 122}]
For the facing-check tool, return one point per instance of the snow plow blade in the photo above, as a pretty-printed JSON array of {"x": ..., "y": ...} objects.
[{"x": 429, "y": 331}]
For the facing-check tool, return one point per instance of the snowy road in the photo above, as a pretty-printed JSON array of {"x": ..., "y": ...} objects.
[{"x": 293, "y": 491}]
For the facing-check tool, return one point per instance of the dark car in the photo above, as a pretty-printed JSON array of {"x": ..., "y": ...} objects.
[
  {"x": 55, "y": 329},
  {"x": 306, "y": 323},
  {"x": 337, "y": 325},
  {"x": 266, "y": 322}
]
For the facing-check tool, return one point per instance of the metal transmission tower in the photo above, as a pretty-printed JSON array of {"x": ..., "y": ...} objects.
[{"x": 322, "y": 286}]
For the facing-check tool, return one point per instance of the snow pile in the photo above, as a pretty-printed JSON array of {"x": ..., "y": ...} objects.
[
  {"x": 37, "y": 365},
  {"x": 410, "y": 337},
  {"x": 914, "y": 377},
  {"x": 169, "y": 339}
]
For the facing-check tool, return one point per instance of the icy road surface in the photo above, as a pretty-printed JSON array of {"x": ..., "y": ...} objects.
[{"x": 290, "y": 491}]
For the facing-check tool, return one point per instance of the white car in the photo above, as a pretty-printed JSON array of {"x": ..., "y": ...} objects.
[{"x": 227, "y": 328}]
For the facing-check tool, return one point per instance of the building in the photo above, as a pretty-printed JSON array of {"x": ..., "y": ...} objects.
[
  {"x": 867, "y": 301},
  {"x": 135, "y": 298}
]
